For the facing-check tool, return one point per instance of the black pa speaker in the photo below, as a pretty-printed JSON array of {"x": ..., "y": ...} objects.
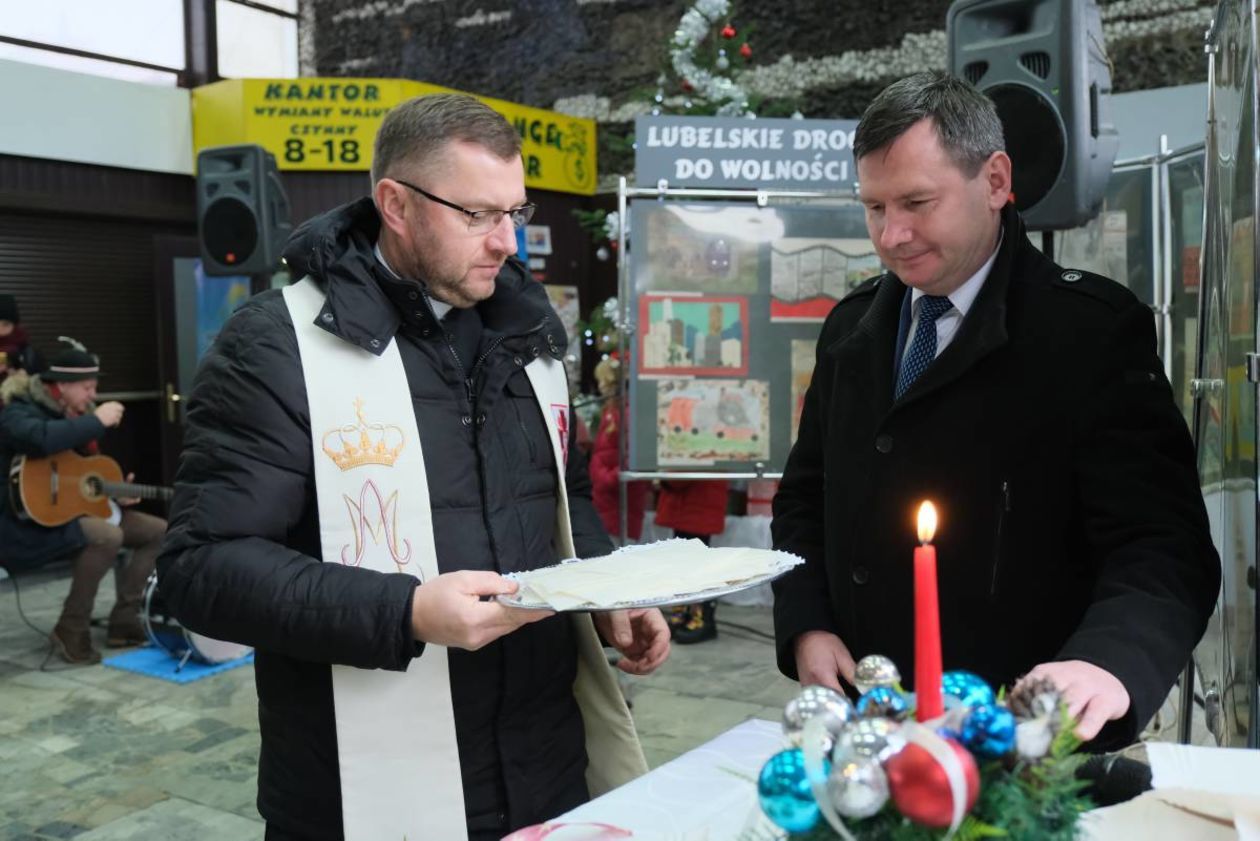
[
  {"x": 242, "y": 210},
  {"x": 1044, "y": 65}
]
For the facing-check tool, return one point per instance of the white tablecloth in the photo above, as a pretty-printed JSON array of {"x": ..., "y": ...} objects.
[
  {"x": 707, "y": 794},
  {"x": 710, "y": 794}
]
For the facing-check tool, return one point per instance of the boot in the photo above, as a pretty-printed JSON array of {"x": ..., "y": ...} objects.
[
  {"x": 676, "y": 617},
  {"x": 700, "y": 624},
  {"x": 125, "y": 629},
  {"x": 75, "y": 647}
]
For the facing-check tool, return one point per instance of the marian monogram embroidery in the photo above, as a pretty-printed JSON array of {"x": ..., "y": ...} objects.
[{"x": 375, "y": 517}]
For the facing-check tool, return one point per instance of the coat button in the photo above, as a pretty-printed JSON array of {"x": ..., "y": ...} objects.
[
  {"x": 328, "y": 318},
  {"x": 413, "y": 295},
  {"x": 375, "y": 343},
  {"x": 861, "y": 574},
  {"x": 516, "y": 360},
  {"x": 481, "y": 419},
  {"x": 883, "y": 443},
  {"x": 466, "y": 420},
  {"x": 534, "y": 351},
  {"x": 426, "y": 331}
]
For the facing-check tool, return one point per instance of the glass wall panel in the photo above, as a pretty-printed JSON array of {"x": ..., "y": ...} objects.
[
  {"x": 254, "y": 43},
  {"x": 1185, "y": 216},
  {"x": 151, "y": 31},
  {"x": 1225, "y": 411},
  {"x": 1119, "y": 242}
]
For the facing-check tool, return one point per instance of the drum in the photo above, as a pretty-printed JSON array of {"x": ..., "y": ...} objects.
[{"x": 164, "y": 631}]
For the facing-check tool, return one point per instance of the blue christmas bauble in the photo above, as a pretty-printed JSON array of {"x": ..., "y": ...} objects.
[
  {"x": 965, "y": 689},
  {"x": 883, "y": 702},
  {"x": 784, "y": 791},
  {"x": 989, "y": 731}
]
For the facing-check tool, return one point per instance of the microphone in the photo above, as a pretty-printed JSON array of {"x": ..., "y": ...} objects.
[{"x": 1114, "y": 778}]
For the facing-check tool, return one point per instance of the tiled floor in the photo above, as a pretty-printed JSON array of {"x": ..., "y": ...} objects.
[{"x": 97, "y": 754}]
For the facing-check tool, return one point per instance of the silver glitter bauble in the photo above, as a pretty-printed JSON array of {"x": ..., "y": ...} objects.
[
  {"x": 1033, "y": 738},
  {"x": 858, "y": 788},
  {"x": 875, "y": 670},
  {"x": 868, "y": 738},
  {"x": 835, "y": 709}
]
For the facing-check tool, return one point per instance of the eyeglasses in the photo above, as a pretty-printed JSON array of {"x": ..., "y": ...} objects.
[{"x": 481, "y": 221}]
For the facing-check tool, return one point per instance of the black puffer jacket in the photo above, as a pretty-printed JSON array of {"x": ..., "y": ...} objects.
[{"x": 240, "y": 560}]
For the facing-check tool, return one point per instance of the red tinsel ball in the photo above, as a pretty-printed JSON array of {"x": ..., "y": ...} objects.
[
  {"x": 687, "y": 86},
  {"x": 920, "y": 789},
  {"x": 745, "y": 51},
  {"x": 728, "y": 31}
]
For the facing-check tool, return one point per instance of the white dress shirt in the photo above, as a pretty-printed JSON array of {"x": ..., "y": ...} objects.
[{"x": 962, "y": 298}]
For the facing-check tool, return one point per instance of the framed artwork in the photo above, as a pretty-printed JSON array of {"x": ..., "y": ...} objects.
[
  {"x": 808, "y": 276},
  {"x": 538, "y": 240},
  {"x": 693, "y": 335},
  {"x": 803, "y": 358},
  {"x": 701, "y": 421},
  {"x": 699, "y": 248}
]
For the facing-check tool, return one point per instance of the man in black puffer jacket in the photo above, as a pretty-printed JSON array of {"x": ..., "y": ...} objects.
[{"x": 410, "y": 265}]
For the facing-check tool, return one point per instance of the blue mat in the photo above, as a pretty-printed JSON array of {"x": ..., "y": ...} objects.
[{"x": 156, "y": 662}]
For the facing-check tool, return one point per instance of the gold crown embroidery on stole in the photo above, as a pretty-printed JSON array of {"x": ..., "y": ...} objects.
[{"x": 357, "y": 444}]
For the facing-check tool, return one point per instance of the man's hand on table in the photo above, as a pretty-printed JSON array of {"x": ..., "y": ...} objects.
[
  {"x": 822, "y": 659},
  {"x": 641, "y": 636},
  {"x": 1093, "y": 695}
]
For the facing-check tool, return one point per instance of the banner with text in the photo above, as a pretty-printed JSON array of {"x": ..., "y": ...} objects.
[
  {"x": 738, "y": 153},
  {"x": 330, "y": 124}
]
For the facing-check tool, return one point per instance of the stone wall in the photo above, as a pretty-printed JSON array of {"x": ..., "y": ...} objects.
[{"x": 600, "y": 58}]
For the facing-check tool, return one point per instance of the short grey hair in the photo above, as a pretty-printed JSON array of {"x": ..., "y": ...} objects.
[
  {"x": 415, "y": 132},
  {"x": 966, "y": 121}
]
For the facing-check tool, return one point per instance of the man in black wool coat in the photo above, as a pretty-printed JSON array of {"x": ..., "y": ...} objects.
[{"x": 1028, "y": 403}]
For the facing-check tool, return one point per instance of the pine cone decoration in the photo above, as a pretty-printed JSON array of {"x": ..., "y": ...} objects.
[{"x": 1035, "y": 698}]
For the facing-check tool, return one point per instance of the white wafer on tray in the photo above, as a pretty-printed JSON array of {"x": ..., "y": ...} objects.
[{"x": 659, "y": 574}]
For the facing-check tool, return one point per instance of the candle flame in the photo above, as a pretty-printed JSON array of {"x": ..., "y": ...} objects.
[{"x": 927, "y": 522}]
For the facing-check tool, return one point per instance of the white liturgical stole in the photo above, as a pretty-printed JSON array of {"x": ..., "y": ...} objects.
[{"x": 399, "y": 763}]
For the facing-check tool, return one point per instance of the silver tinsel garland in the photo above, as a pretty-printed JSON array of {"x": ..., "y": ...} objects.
[{"x": 696, "y": 23}]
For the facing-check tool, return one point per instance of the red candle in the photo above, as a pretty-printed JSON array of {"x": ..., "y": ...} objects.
[{"x": 927, "y": 621}]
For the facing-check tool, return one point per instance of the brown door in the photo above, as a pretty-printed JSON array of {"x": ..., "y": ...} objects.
[{"x": 192, "y": 307}]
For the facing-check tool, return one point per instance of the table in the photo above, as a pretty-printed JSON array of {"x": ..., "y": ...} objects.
[
  {"x": 710, "y": 794},
  {"x": 707, "y": 794}
]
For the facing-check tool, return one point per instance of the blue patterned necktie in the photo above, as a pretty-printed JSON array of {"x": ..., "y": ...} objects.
[{"x": 922, "y": 348}]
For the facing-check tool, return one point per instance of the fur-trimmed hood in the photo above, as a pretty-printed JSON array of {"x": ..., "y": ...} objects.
[{"x": 20, "y": 385}]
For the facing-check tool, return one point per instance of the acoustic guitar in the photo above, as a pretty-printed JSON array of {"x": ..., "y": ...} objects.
[{"x": 56, "y": 489}]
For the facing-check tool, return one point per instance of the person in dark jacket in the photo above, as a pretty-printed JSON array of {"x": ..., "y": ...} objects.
[
  {"x": 1034, "y": 412},
  {"x": 44, "y": 415},
  {"x": 426, "y": 262},
  {"x": 16, "y": 353}
]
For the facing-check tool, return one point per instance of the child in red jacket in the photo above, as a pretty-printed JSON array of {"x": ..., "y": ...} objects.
[
  {"x": 693, "y": 509},
  {"x": 606, "y": 459}
]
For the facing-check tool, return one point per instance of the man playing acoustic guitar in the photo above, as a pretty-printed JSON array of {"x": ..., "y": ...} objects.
[{"x": 45, "y": 415}]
